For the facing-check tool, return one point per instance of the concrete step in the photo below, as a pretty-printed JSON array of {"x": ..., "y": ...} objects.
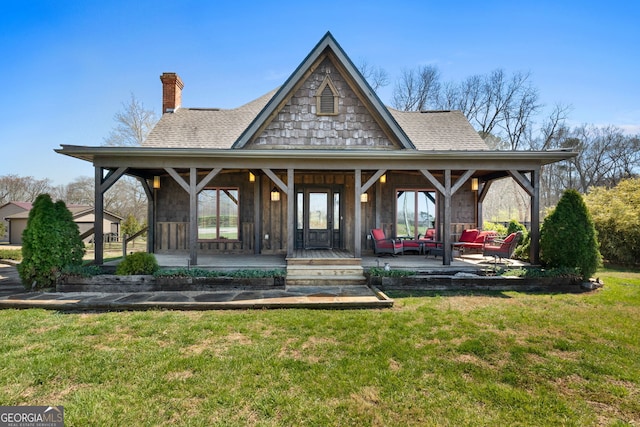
[
  {"x": 356, "y": 280},
  {"x": 325, "y": 270},
  {"x": 324, "y": 261}
]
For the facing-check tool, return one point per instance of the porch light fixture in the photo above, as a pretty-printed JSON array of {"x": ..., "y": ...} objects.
[
  {"x": 275, "y": 195},
  {"x": 474, "y": 184},
  {"x": 364, "y": 198},
  {"x": 383, "y": 178},
  {"x": 252, "y": 177},
  {"x": 156, "y": 182}
]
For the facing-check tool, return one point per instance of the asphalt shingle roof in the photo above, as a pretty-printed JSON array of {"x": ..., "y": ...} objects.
[{"x": 221, "y": 128}]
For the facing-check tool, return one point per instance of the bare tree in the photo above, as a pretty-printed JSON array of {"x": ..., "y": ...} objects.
[
  {"x": 14, "y": 188},
  {"x": 133, "y": 124},
  {"x": 417, "y": 89},
  {"x": 78, "y": 192},
  {"x": 375, "y": 76}
]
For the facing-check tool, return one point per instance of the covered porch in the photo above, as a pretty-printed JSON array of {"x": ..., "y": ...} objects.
[{"x": 229, "y": 262}]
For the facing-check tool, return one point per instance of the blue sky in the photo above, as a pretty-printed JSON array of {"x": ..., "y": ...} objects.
[{"x": 68, "y": 66}]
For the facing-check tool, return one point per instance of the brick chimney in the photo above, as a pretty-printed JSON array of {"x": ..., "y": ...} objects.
[{"x": 171, "y": 92}]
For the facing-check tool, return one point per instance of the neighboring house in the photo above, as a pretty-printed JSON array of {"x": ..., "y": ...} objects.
[
  {"x": 315, "y": 164},
  {"x": 7, "y": 210},
  {"x": 16, "y": 215}
]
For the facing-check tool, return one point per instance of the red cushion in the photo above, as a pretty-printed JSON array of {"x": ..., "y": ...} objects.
[
  {"x": 430, "y": 234},
  {"x": 378, "y": 234},
  {"x": 483, "y": 235},
  {"x": 510, "y": 237},
  {"x": 468, "y": 235}
]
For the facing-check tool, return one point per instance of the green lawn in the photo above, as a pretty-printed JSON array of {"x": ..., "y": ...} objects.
[{"x": 484, "y": 359}]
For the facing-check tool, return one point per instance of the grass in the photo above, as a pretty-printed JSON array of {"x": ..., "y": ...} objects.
[{"x": 451, "y": 359}]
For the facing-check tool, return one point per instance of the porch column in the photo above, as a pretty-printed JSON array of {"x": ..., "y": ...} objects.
[
  {"x": 102, "y": 184},
  {"x": 98, "y": 229},
  {"x": 151, "y": 214},
  {"x": 534, "y": 249},
  {"x": 357, "y": 226},
  {"x": 257, "y": 223},
  {"x": 291, "y": 226},
  {"x": 532, "y": 187},
  {"x": 193, "y": 216},
  {"x": 446, "y": 235},
  {"x": 482, "y": 194}
]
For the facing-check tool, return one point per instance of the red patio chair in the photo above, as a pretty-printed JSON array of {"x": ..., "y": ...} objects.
[
  {"x": 502, "y": 248},
  {"x": 382, "y": 245}
]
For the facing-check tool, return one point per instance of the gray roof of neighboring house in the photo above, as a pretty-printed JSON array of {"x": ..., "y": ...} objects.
[{"x": 221, "y": 128}]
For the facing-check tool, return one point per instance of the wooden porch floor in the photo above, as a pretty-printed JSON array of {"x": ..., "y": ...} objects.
[{"x": 413, "y": 262}]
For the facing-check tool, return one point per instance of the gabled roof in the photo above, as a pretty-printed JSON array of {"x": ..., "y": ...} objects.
[
  {"x": 327, "y": 43},
  {"x": 215, "y": 128},
  {"x": 24, "y": 205},
  {"x": 439, "y": 130},
  {"x": 204, "y": 128}
]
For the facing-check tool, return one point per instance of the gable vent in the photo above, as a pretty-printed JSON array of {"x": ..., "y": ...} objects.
[
  {"x": 327, "y": 98},
  {"x": 326, "y": 101}
]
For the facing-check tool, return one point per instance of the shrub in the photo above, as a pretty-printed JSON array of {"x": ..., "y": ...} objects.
[
  {"x": 50, "y": 242},
  {"x": 494, "y": 226},
  {"x": 82, "y": 271},
  {"x": 522, "y": 250},
  {"x": 13, "y": 254},
  {"x": 137, "y": 263},
  {"x": 616, "y": 216},
  {"x": 199, "y": 272},
  {"x": 568, "y": 237}
]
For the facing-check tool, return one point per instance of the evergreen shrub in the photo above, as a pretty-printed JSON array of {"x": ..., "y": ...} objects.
[
  {"x": 50, "y": 242},
  {"x": 568, "y": 236},
  {"x": 137, "y": 263}
]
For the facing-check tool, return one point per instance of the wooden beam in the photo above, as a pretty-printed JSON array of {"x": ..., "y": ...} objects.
[
  {"x": 373, "y": 180},
  {"x": 207, "y": 178},
  {"x": 277, "y": 181},
  {"x": 523, "y": 181},
  {"x": 460, "y": 182},
  {"x": 111, "y": 178},
  {"x": 432, "y": 179},
  {"x": 177, "y": 178}
]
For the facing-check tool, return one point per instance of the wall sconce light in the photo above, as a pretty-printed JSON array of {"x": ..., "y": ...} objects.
[
  {"x": 156, "y": 182},
  {"x": 364, "y": 198},
  {"x": 252, "y": 177},
  {"x": 383, "y": 178},
  {"x": 474, "y": 184},
  {"x": 275, "y": 195}
]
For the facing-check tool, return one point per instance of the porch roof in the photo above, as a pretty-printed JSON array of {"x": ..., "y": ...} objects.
[{"x": 146, "y": 161}]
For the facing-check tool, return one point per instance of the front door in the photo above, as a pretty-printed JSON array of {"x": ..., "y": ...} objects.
[{"x": 318, "y": 219}]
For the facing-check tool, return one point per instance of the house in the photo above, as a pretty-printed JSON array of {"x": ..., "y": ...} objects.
[
  {"x": 16, "y": 215},
  {"x": 315, "y": 164}
]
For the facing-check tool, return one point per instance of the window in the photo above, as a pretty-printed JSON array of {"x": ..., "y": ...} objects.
[
  {"x": 218, "y": 214},
  {"x": 327, "y": 98},
  {"x": 415, "y": 212}
]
